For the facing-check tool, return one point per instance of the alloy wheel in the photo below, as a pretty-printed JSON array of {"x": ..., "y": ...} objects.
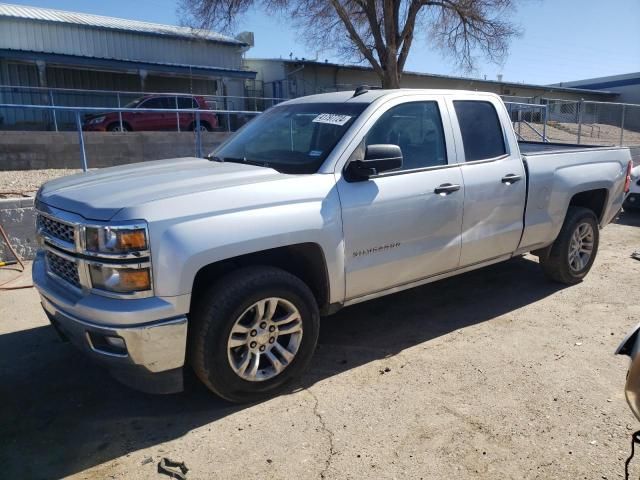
[
  {"x": 581, "y": 246},
  {"x": 264, "y": 339}
]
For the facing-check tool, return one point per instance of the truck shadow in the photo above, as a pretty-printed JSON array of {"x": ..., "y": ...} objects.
[
  {"x": 60, "y": 415},
  {"x": 629, "y": 217}
]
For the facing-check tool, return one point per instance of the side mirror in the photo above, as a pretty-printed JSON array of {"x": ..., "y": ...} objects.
[{"x": 377, "y": 159}]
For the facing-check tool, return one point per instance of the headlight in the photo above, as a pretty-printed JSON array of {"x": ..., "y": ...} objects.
[
  {"x": 116, "y": 240},
  {"x": 120, "y": 280},
  {"x": 99, "y": 119}
]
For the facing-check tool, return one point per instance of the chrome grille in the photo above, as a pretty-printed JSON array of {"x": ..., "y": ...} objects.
[
  {"x": 56, "y": 229},
  {"x": 63, "y": 268}
]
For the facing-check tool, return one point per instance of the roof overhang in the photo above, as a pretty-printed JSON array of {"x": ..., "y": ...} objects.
[{"x": 124, "y": 65}]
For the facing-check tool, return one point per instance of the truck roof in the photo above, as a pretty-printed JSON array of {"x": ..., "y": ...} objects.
[{"x": 371, "y": 95}]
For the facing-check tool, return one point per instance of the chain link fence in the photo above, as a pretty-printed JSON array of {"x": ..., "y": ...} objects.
[
  {"x": 529, "y": 121},
  {"x": 27, "y": 119},
  {"x": 593, "y": 123}
]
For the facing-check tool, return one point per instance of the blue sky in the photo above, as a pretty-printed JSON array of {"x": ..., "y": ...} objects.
[{"x": 563, "y": 39}]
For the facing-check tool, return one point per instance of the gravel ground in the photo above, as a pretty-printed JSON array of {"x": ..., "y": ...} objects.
[
  {"x": 494, "y": 374},
  {"x": 28, "y": 181}
]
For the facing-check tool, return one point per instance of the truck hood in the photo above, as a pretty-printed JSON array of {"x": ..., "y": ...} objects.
[{"x": 100, "y": 194}]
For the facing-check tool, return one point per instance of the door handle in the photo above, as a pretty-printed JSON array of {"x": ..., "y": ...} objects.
[
  {"x": 446, "y": 189},
  {"x": 511, "y": 178}
]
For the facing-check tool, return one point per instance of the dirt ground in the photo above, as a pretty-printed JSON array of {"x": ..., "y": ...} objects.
[{"x": 492, "y": 374}]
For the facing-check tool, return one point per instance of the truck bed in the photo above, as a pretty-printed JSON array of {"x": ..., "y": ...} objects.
[
  {"x": 530, "y": 148},
  {"x": 556, "y": 172}
]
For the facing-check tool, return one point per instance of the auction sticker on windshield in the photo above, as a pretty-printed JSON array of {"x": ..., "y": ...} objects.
[{"x": 332, "y": 119}]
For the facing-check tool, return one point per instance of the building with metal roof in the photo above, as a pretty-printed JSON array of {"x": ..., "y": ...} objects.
[
  {"x": 57, "y": 49},
  {"x": 288, "y": 78},
  {"x": 627, "y": 85}
]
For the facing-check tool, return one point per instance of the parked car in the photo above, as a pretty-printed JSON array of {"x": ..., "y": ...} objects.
[
  {"x": 632, "y": 202},
  {"x": 151, "y": 121},
  {"x": 226, "y": 264}
]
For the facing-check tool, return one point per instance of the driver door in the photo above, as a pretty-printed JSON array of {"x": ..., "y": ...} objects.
[{"x": 399, "y": 227}]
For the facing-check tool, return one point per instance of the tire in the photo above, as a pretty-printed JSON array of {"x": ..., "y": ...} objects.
[
  {"x": 231, "y": 305},
  {"x": 559, "y": 265},
  {"x": 204, "y": 127},
  {"x": 115, "y": 127}
]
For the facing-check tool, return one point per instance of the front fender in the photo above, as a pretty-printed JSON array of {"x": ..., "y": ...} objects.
[
  {"x": 184, "y": 244},
  {"x": 191, "y": 245}
]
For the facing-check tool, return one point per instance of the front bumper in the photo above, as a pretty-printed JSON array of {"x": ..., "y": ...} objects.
[{"x": 154, "y": 351}]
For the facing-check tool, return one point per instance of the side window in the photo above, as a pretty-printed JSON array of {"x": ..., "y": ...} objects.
[
  {"x": 186, "y": 102},
  {"x": 159, "y": 102},
  {"x": 481, "y": 130},
  {"x": 416, "y": 128}
]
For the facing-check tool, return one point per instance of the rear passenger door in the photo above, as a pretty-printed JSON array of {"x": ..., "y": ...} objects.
[{"x": 494, "y": 179}]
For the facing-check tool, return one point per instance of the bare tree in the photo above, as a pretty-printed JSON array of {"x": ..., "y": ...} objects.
[{"x": 380, "y": 31}]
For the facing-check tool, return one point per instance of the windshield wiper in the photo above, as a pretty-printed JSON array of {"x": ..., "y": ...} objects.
[{"x": 238, "y": 160}]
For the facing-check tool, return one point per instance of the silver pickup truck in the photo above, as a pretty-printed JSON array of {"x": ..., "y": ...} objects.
[{"x": 226, "y": 264}]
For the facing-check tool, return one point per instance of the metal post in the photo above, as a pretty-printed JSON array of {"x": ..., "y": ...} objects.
[
  {"x": 624, "y": 107},
  {"x": 178, "y": 113},
  {"x": 579, "y": 120},
  {"x": 228, "y": 122},
  {"x": 120, "y": 112},
  {"x": 83, "y": 154},
  {"x": 198, "y": 136},
  {"x": 55, "y": 118},
  {"x": 544, "y": 123},
  {"x": 519, "y": 122},
  {"x": 511, "y": 114}
]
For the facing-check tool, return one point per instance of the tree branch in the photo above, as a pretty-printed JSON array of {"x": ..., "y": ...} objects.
[{"x": 353, "y": 34}]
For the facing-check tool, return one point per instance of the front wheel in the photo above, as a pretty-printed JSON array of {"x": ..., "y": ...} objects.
[
  {"x": 253, "y": 333},
  {"x": 116, "y": 127},
  {"x": 573, "y": 252}
]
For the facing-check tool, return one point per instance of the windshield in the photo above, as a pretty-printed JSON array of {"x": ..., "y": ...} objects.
[{"x": 291, "y": 138}]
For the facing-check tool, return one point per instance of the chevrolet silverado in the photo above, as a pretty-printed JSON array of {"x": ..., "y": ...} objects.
[{"x": 226, "y": 264}]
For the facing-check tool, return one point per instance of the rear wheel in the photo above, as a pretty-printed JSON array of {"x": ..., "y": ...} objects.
[
  {"x": 253, "y": 333},
  {"x": 204, "y": 127},
  {"x": 574, "y": 251}
]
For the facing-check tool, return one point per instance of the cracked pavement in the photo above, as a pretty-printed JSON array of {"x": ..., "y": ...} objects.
[{"x": 493, "y": 374}]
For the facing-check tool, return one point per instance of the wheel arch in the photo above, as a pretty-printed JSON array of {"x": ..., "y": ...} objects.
[
  {"x": 304, "y": 260},
  {"x": 595, "y": 200},
  {"x": 117, "y": 122}
]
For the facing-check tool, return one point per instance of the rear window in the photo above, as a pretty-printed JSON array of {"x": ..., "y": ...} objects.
[{"x": 481, "y": 130}]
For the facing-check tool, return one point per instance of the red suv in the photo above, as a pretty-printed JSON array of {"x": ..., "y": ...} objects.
[{"x": 146, "y": 121}]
